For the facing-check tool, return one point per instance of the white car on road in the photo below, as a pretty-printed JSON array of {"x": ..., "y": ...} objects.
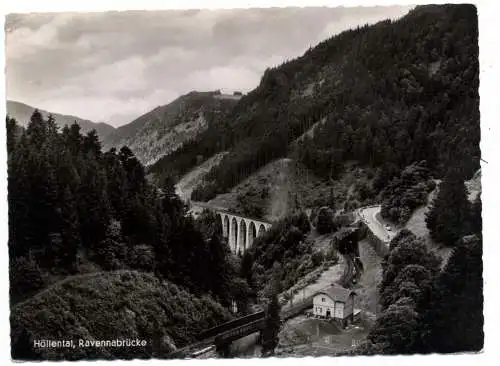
[{"x": 388, "y": 227}]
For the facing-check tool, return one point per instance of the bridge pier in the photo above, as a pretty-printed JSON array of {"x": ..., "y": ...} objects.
[
  {"x": 223, "y": 349},
  {"x": 259, "y": 340},
  {"x": 239, "y": 231}
]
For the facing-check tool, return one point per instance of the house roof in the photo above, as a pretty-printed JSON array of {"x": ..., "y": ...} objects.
[{"x": 336, "y": 293}]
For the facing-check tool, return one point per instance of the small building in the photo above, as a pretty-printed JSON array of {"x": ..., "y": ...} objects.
[{"x": 335, "y": 302}]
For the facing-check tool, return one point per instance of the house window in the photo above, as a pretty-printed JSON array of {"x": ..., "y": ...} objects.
[{"x": 323, "y": 299}]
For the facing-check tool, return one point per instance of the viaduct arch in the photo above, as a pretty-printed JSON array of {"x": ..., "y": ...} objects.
[{"x": 240, "y": 231}]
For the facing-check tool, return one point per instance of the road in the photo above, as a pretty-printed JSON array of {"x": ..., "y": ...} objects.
[{"x": 370, "y": 216}]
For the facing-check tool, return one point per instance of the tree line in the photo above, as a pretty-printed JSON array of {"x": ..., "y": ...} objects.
[
  {"x": 75, "y": 209},
  {"x": 426, "y": 309}
]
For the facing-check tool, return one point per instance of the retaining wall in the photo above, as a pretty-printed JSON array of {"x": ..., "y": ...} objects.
[{"x": 381, "y": 248}]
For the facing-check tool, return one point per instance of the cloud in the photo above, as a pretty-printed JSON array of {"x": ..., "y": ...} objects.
[
  {"x": 25, "y": 41},
  {"x": 115, "y": 78},
  {"x": 117, "y": 65}
]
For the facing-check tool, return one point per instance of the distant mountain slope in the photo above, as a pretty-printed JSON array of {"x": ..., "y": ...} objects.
[
  {"x": 166, "y": 128},
  {"x": 22, "y": 113}
]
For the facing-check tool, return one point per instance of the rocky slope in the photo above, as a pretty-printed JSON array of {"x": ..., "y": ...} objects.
[
  {"x": 168, "y": 127},
  {"x": 22, "y": 113}
]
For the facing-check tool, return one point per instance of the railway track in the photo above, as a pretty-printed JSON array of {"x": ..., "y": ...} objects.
[{"x": 352, "y": 269}]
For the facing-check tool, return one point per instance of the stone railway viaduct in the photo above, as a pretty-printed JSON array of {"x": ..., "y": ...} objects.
[{"x": 240, "y": 231}]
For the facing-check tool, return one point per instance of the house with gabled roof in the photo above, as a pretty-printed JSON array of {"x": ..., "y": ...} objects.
[{"x": 335, "y": 302}]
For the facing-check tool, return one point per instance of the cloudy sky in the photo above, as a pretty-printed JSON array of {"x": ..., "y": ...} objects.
[{"x": 115, "y": 66}]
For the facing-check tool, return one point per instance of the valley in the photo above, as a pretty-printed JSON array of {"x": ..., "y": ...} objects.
[{"x": 334, "y": 209}]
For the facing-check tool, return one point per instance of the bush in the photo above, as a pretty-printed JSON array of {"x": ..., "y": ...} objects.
[
  {"x": 142, "y": 257},
  {"x": 317, "y": 258},
  {"x": 283, "y": 243},
  {"x": 300, "y": 221},
  {"x": 324, "y": 222},
  {"x": 332, "y": 256},
  {"x": 406, "y": 193},
  {"x": 344, "y": 219},
  {"x": 253, "y": 203},
  {"x": 204, "y": 192}
]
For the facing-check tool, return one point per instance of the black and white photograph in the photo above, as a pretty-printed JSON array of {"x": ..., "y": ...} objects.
[{"x": 244, "y": 183}]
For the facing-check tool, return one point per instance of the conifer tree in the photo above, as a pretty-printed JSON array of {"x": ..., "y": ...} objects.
[
  {"x": 91, "y": 144},
  {"x": 73, "y": 138},
  {"x": 246, "y": 271},
  {"x": 272, "y": 326},
  {"x": 69, "y": 231},
  {"x": 456, "y": 317},
  {"x": 52, "y": 127},
  {"x": 11, "y": 134},
  {"x": 449, "y": 219},
  {"x": 324, "y": 222},
  {"x": 37, "y": 129}
]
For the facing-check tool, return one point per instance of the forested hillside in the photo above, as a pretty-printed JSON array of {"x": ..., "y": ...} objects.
[
  {"x": 425, "y": 309},
  {"x": 113, "y": 305},
  {"x": 389, "y": 95},
  {"x": 168, "y": 127},
  {"x": 75, "y": 210}
]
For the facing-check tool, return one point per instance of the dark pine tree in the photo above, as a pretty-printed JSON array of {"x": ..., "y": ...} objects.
[
  {"x": 69, "y": 232},
  {"x": 11, "y": 134},
  {"x": 449, "y": 217},
  {"x": 272, "y": 326},
  {"x": 456, "y": 316},
  {"x": 91, "y": 144},
  {"x": 324, "y": 222},
  {"x": 246, "y": 271},
  {"x": 37, "y": 129}
]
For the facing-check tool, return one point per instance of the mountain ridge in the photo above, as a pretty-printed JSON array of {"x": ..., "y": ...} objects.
[
  {"x": 167, "y": 127},
  {"x": 22, "y": 112}
]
